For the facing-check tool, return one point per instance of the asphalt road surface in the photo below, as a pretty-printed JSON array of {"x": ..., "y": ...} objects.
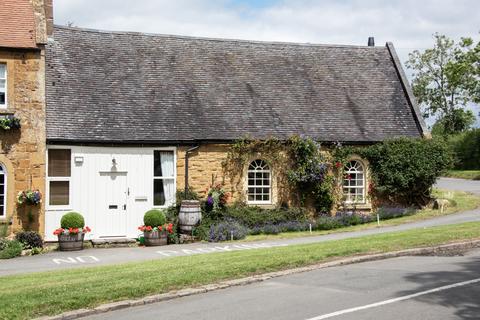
[{"x": 410, "y": 288}]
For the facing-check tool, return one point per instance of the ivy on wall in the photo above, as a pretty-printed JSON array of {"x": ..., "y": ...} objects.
[{"x": 303, "y": 170}]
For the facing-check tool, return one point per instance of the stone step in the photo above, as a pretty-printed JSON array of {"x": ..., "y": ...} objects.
[{"x": 113, "y": 242}]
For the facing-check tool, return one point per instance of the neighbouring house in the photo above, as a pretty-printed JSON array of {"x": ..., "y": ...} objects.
[
  {"x": 24, "y": 26},
  {"x": 123, "y": 109}
]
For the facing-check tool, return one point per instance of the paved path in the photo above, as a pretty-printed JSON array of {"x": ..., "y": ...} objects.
[
  {"x": 410, "y": 288},
  {"x": 90, "y": 257},
  {"x": 459, "y": 185}
]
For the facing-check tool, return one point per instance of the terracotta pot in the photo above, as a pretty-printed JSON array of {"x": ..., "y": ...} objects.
[
  {"x": 155, "y": 238},
  {"x": 71, "y": 242}
]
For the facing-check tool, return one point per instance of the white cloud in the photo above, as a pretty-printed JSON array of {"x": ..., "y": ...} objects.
[{"x": 409, "y": 24}]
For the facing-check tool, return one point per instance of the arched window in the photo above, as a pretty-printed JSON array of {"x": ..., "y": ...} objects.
[
  {"x": 3, "y": 191},
  {"x": 259, "y": 182},
  {"x": 354, "y": 182}
]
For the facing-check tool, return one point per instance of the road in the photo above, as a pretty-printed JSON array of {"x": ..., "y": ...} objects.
[
  {"x": 90, "y": 257},
  {"x": 399, "y": 288},
  {"x": 459, "y": 185}
]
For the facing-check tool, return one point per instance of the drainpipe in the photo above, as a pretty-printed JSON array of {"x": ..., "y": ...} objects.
[{"x": 187, "y": 155}]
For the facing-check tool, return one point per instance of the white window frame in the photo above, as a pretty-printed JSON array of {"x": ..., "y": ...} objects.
[
  {"x": 3, "y": 214},
  {"x": 62, "y": 207},
  {"x": 269, "y": 171},
  {"x": 174, "y": 177},
  {"x": 347, "y": 195},
  {"x": 5, "y": 106}
]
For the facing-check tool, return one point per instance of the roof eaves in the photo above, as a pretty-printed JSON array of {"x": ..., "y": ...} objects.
[{"x": 408, "y": 91}]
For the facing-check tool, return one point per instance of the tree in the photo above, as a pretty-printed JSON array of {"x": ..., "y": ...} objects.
[{"x": 445, "y": 79}]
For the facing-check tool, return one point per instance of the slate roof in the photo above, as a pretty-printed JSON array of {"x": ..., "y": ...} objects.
[{"x": 121, "y": 87}]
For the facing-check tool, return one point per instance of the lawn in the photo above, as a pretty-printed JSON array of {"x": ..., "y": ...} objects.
[
  {"x": 464, "y": 174},
  {"x": 462, "y": 201},
  {"x": 48, "y": 293}
]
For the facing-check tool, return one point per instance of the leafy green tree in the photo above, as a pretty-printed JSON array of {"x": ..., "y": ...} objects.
[{"x": 445, "y": 79}]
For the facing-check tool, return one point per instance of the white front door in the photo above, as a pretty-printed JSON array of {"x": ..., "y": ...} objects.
[{"x": 112, "y": 198}]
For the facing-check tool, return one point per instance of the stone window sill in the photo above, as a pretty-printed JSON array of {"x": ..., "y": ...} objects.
[{"x": 7, "y": 112}]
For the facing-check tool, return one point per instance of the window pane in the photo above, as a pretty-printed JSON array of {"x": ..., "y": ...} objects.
[
  {"x": 158, "y": 193},
  {"x": 59, "y": 162},
  {"x": 3, "y": 69},
  {"x": 59, "y": 193},
  {"x": 2, "y": 97},
  {"x": 2, "y": 85},
  {"x": 163, "y": 192},
  {"x": 163, "y": 165}
]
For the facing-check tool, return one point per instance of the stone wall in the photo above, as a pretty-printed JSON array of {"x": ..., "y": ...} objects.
[
  {"x": 206, "y": 166},
  {"x": 22, "y": 151}
]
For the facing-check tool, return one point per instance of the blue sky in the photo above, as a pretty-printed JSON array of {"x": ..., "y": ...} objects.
[{"x": 409, "y": 24}]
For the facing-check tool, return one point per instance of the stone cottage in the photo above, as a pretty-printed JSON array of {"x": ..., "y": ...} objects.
[
  {"x": 24, "y": 27},
  {"x": 123, "y": 108},
  {"x": 107, "y": 118}
]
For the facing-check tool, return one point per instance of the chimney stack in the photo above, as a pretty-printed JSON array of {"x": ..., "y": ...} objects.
[
  {"x": 371, "y": 41},
  {"x": 48, "y": 7}
]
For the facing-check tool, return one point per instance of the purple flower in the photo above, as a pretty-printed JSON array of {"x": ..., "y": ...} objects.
[{"x": 210, "y": 200}]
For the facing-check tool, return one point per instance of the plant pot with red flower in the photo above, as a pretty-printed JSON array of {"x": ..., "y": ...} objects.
[
  {"x": 72, "y": 232},
  {"x": 155, "y": 230}
]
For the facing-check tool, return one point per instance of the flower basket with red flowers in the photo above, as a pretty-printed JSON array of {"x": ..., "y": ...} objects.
[
  {"x": 72, "y": 232},
  {"x": 155, "y": 229}
]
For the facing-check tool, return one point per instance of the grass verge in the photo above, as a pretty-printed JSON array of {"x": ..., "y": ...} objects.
[
  {"x": 48, "y": 293},
  {"x": 464, "y": 174},
  {"x": 462, "y": 201}
]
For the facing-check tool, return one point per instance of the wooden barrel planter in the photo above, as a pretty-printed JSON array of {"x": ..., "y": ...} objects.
[
  {"x": 189, "y": 216},
  {"x": 71, "y": 242},
  {"x": 155, "y": 238}
]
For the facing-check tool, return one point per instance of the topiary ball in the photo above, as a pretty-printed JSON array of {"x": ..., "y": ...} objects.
[
  {"x": 154, "y": 218},
  {"x": 72, "y": 220}
]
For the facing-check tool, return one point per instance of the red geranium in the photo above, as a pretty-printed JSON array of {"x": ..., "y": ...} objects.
[
  {"x": 58, "y": 231},
  {"x": 338, "y": 164}
]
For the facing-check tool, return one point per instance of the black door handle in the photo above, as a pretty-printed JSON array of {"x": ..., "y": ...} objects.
[{"x": 124, "y": 207}]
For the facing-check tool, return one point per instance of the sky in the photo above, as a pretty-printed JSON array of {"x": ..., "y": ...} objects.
[{"x": 409, "y": 24}]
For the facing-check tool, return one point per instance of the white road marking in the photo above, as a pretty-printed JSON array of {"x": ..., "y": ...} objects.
[
  {"x": 75, "y": 260},
  {"x": 381, "y": 303},
  {"x": 226, "y": 248}
]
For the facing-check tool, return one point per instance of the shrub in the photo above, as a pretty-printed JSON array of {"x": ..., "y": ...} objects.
[
  {"x": 10, "y": 249},
  {"x": 326, "y": 223},
  {"x": 29, "y": 239},
  {"x": 202, "y": 231},
  {"x": 226, "y": 230},
  {"x": 466, "y": 149},
  {"x": 72, "y": 220},
  {"x": 256, "y": 217},
  {"x": 386, "y": 213},
  {"x": 271, "y": 229},
  {"x": 154, "y": 218},
  {"x": 405, "y": 169}
]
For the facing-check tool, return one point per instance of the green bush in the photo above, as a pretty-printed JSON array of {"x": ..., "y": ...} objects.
[
  {"x": 405, "y": 169},
  {"x": 466, "y": 149},
  {"x": 154, "y": 218},
  {"x": 72, "y": 220},
  {"x": 10, "y": 249}
]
